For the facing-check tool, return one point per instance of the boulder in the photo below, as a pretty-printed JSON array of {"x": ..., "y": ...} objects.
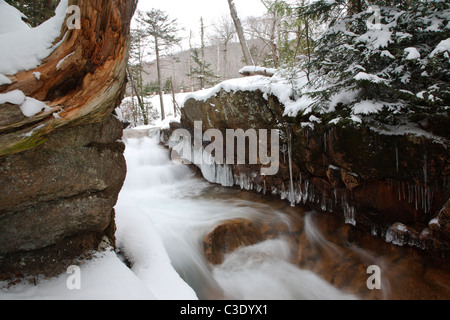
[
  {"x": 61, "y": 169},
  {"x": 229, "y": 236}
]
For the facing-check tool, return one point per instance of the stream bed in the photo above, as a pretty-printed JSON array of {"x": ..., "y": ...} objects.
[{"x": 308, "y": 255}]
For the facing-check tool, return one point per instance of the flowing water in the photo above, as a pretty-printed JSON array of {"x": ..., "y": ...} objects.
[{"x": 184, "y": 208}]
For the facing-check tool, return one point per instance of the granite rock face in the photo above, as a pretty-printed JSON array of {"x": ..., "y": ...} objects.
[
  {"x": 61, "y": 169},
  {"x": 374, "y": 177},
  {"x": 65, "y": 188}
]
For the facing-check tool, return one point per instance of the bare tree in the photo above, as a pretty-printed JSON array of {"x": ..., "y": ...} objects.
[
  {"x": 240, "y": 31},
  {"x": 224, "y": 32},
  {"x": 135, "y": 68}
]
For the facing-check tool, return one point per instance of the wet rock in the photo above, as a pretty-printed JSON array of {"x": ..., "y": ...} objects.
[
  {"x": 334, "y": 176},
  {"x": 382, "y": 177},
  {"x": 228, "y": 237},
  {"x": 440, "y": 226},
  {"x": 351, "y": 180}
]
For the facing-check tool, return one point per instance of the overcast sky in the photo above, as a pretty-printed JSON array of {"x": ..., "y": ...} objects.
[{"x": 188, "y": 12}]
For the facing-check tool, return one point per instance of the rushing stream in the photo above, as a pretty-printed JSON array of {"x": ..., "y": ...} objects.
[{"x": 185, "y": 208}]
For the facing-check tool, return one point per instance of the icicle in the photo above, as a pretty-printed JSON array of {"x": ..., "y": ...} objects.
[
  {"x": 305, "y": 193},
  {"x": 283, "y": 151},
  {"x": 415, "y": 196},
  {"x": 396, "y": 156},
  {"x": 283, "y": 191},
  {"x": 291, "y": 190},
  {"x": 349, "y": 212},
  {"x": 403, "y": 190},
  {"x": 330, "y": 205},
  {"x": 274, "y": 191},
  {"x": 258, "y": 188},
  {"x": 410, "y": 198},
  {"x": 311, "y": 193},
  {"x": 425, "y": 169},
  {"x": 323, "y": 204}
]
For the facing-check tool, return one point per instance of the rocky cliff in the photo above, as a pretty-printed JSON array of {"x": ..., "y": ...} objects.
[
  {"x": 390, "y": 181},
  {"x": 61, "y": 168}
]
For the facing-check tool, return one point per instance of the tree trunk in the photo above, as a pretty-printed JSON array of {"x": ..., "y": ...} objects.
[
  {"x": 202, "y": 54},
  {"x": 139, "y": 98},
  {"x": 240, "y": 31},
  {"x": 355, "y": 6},
  {"x": 273, "y": 44},
  {"x": 174, "y": 100},
  {"x": 160, "y": 88},
  {"x": 308, "y": 47},
  {"x": 191, "y": 78},
  {"x": 62, "y": 169}
]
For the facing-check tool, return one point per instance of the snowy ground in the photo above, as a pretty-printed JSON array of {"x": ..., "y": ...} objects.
[{"x": 106, "y": 277}]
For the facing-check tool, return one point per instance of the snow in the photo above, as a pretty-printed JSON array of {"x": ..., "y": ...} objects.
[
  {"x": 106, "y": 277},
  {"x": 412, "y": 53},
  {"x": 409, "y": 129},
  {"x": 335, "y": 121},
  {"x": 14, "y": 97},
  {"x": 4, "y": 80},
  {"x": 355, "y": 119},
  {"x": 367, "y": 107},
  {"x": 386, "y": 53},
  {"x": 64, "y": 59},
  {"x": 138, "y": 238},
  {"x": 344, "y": 97},
  {"x": 241, "y": 84},
  {"x": 434, "y": 221},
  {"x": 277, "y": 86},
  {"x": 23, "y": 48},
  {"x": 313, "y": 118},
  {"x": 252, "y": 69},
  {"x": 11, "y": 19},
  {"x": 29, "y": 106},
  {"x": 377, "y": 39},
  {"x": 369, "y": 77},
  {"x": 443, "y": 46}
]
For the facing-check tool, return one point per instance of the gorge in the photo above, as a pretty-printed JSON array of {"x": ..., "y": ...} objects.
[{"x": 310, "y": 211}]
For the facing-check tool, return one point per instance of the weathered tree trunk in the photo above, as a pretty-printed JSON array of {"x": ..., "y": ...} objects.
[{"x": 62, "y": 170}]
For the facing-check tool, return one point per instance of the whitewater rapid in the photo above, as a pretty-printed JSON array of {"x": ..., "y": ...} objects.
[{"x": 184, "y": 208}]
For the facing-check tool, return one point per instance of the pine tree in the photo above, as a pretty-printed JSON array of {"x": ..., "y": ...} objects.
[
  {"x": 37, "y": 11},
  {"x": 394, "y": 57},
  {"x": 163, "y": 33},
  {"x": 201, "y": 70}
]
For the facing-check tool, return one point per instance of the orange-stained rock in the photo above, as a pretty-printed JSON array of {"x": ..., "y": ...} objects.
[{"x": 229, "y": 236}]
